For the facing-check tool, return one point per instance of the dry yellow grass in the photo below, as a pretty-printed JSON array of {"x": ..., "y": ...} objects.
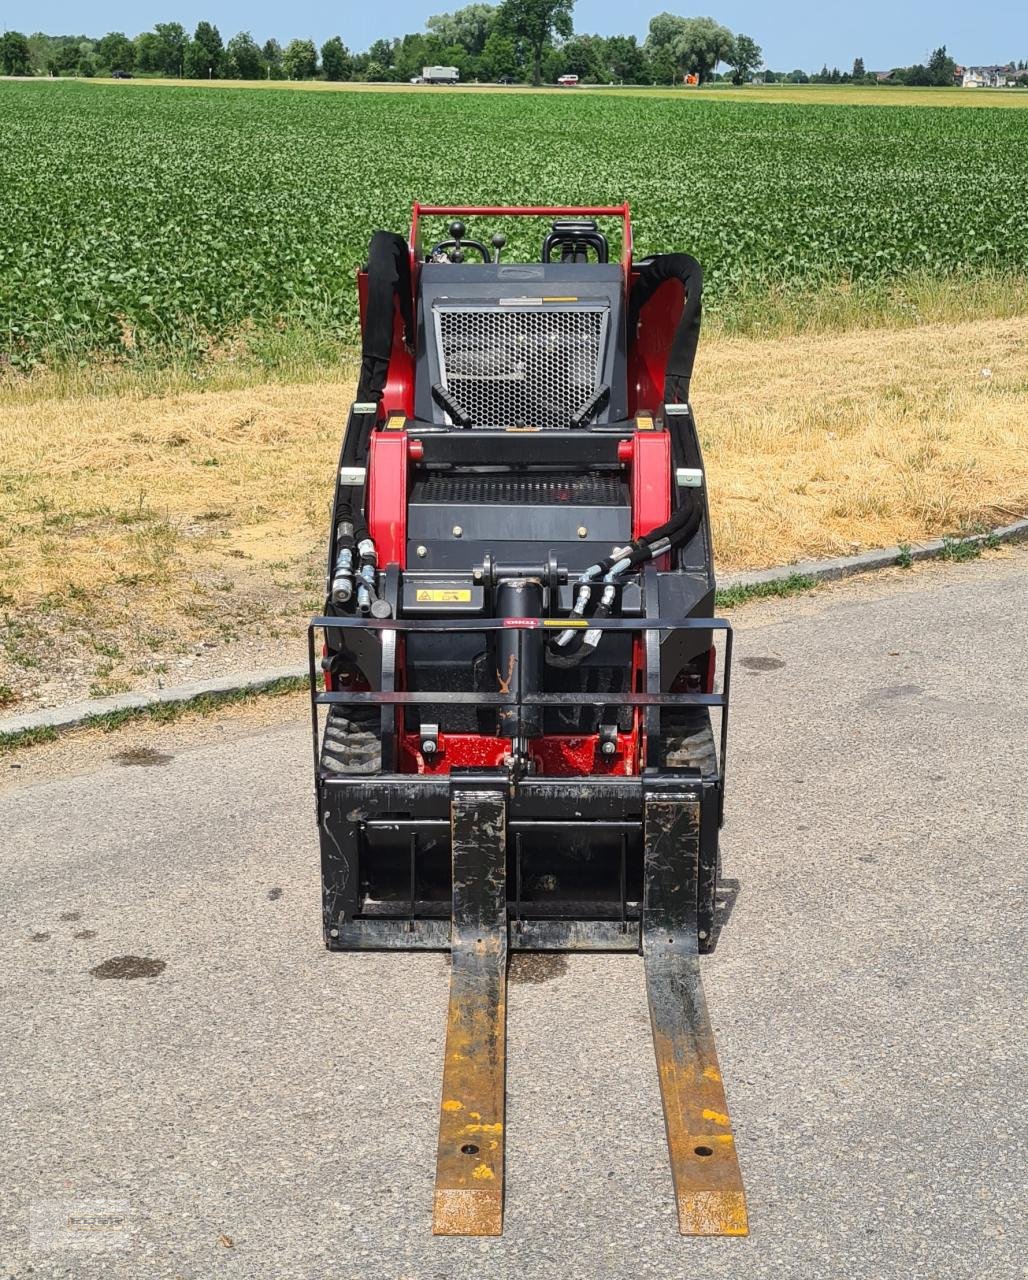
[
  {"x": 135, "y": 525},
  {"x": 839, "y": 95},
  {"x": 819, "y": 444}
]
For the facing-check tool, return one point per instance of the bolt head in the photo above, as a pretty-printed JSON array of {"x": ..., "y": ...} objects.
[
  {"x": 422, "y": 551},
  {"x": 608, "y": 748},
  {"x": 457, "y": 531},
  {"x": 428, "y": 746},
  {"x": 583, "y": 532}
]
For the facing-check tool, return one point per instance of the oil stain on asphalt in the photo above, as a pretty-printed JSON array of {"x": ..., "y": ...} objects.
[
  {"x": 536, "y": 967},
  {"x": 129, "y": 967},
  {"x": 760, "y": 663},
  {"x": 144, "y": 756}
]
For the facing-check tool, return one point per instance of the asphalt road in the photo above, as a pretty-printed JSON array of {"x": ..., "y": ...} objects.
[{"x": 262, "y": 1108}]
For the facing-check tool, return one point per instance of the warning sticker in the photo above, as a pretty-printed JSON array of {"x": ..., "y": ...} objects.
[{"x": 443, "y": 595}]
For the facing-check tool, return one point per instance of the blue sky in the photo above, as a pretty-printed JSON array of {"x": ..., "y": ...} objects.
[{"x": 803, "y": 33}]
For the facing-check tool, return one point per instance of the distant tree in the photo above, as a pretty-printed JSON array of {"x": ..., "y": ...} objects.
[
  {"x": 858, "y": 69},
  {"x": 205, "y": 53},
  {"x": 625, "y": 59},
  {"x": 536, "y": 22},
  {"x": 300, "y": 60},
  {"x": 148, "y": 51},
  {"x": 499, "y": 58},
  {"x": 384, "y": 52},
  {"x": 697, "y": 44},
  {"x": 744, "y": 58},
  {"x": 171, "y": 47},
  {"x": 273, "y": 60},
  {"x": 336, "y": 62},
  {"x": 15, "y": 59},
  {"x": 941, "y": 67},
  {"x": 470, "y": 27},
  {"x": 582, "y": 56},
  {"x": 87, "y": 66},
  {"x": 797, "y": 77},
  {"x": 663, "y": 65},
  {"x": 116, "y": 52},
  {"x": 243, "y": 57}
]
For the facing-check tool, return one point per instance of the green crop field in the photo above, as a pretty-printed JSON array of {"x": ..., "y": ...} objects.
[{"x": 158, "y": 221}]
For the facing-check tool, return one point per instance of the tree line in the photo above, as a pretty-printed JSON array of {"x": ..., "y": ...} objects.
[{"x": 516, "y": 40}]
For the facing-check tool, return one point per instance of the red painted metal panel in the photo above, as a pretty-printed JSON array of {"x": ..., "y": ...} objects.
[
  {"x": 556, "y": 755},
  {"x": 387, "y": 496},
  {"x": 647, "y": 355},
  {"x": 651, "y": 481}
]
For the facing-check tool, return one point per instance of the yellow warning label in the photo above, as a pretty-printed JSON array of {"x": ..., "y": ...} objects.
[
  {"x": 565, "y": 622},
  {"x": 443, "y": 595}
]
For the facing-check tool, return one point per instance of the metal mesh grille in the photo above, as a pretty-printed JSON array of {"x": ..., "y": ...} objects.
[
  {"x": 523, "y": 367},
  {"x": 547, "y": 491}
]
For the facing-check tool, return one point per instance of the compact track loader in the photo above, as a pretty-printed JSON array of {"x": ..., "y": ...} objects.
[{"x": 513, "y": 679}]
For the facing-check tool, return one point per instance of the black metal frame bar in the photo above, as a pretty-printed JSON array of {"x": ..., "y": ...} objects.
[{"x": 652, "y": 700}]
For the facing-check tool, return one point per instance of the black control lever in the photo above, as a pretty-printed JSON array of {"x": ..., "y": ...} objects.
[
  {"x": 591, "y": 407},
  {"x": 449, "y": 405}
]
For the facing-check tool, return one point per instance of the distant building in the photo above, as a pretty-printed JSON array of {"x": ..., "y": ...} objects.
[{"x": 993, "y": 77}]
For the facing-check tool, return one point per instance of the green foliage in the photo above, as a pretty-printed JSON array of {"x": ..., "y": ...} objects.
[
  {"x": 170, "y": 53},
  {"x": 335, "y": 60},
  {"x": 300, "y": 60},
  {"x": 696, "y": 44},
  {"x": 116, "y": 52},
  {"x": 205, "y": 54},
  {"x": 793, "y": 584},
  {"x": 273, "y": 59},
  {"x": 904, "y": 560},
  {"x": 253, "y": 212},
  {"x": 470, "y": 27},
  {"x": 243, "y": 60},
  {"x": 15, "y": 59},
  {"x": 536, "y": 22},
  {"x": 745, "y": 57}
]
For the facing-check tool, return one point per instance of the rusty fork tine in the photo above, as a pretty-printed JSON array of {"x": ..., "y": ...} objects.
[
  {"x": 469, "y": 1162},
  {"x": 704, "y": 1167}
]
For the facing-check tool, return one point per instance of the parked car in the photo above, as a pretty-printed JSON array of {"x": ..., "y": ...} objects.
[
  {"x": 567, "y": 82},
  {"x": 121, "y": 75}
]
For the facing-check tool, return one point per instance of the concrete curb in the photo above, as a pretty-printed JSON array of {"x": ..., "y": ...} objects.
[
  {"x": 77, "y": 713},
  {"x": 868, "y": 561}
]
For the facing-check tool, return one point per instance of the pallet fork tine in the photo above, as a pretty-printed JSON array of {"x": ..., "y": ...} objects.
[
  {"x": 469, "y": 1163},
  {"x": 704, "y": 1166}
]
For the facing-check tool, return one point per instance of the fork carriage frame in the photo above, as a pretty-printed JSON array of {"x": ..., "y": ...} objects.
[{"x": 489, "y": 815}]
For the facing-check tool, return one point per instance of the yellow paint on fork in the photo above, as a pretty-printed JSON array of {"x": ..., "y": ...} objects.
[
  {"x": 718, "y": 1117},
  {"x": 451, "y": 1104}
]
